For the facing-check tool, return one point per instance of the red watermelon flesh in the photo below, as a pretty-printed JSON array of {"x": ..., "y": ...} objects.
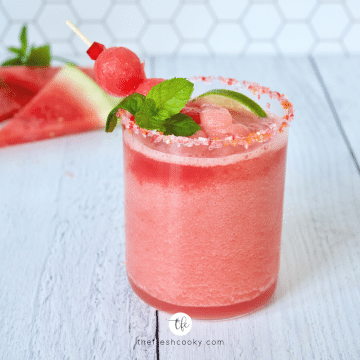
[
  {"x": 70, "y": 103},
  {"x": 8, "y": 105},
  {"x": 19, "y": 84}
]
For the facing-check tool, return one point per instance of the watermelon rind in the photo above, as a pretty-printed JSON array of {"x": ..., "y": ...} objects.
[{"x": 87, "y": 91}]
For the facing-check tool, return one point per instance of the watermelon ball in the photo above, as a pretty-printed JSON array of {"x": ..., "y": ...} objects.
[
  {"x": 147, "y": 84},
  {"x": 118, "y": 71}
]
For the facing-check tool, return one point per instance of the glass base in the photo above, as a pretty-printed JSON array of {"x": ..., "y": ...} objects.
[{"x": 210, "y": 312}]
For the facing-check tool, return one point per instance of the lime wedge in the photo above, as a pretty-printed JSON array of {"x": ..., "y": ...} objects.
[{"x": 231, "y": 100}]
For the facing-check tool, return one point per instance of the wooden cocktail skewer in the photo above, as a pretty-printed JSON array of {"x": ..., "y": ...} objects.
[
  {"x": 95, "y": 48},
  {"x": 78, "y": 33}
]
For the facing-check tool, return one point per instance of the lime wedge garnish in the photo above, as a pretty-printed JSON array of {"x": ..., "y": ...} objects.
[{"x": 231, "y": 100}]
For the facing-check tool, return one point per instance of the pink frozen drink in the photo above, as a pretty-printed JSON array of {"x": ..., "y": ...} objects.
[{"x": 203, "y": 214}]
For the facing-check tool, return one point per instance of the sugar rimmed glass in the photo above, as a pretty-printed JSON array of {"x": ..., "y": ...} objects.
[{"x": 203, "y": 217}]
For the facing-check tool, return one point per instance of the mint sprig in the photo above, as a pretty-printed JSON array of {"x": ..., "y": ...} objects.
[
  {"x": 171, "y": 96},
  {"x": 30, "y": 56},
  {"x": 132, "y": 103},
  {"x": 160, "y": 109}
]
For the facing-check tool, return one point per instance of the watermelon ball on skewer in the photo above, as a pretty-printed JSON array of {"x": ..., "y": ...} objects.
[{"x": 118, "y": 71}]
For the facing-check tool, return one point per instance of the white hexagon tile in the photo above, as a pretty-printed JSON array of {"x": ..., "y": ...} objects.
[
  {"x": 295, "y": 38},
  {"x": 160, "y": 9},
  {"x": 160, "y": 39},
  {"x": 262, "y": 20},
  {"x": 194, "y": 21},
  {"x": 227, "y": 38},
  {"x": 151, "y": 27},
  {"x": 51, "y": 21},
  {"x": 225, "y": 9},
  {"x": 125, "y": 21},
  {"x": 297, "y": 10},
  {"x": 22, "y": 9},
  {"x": 92, "y": 10},
  {"x": 330, "y": 20}
]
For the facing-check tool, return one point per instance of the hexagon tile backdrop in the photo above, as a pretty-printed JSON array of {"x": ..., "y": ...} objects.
[{"x": 152, "y": 27}]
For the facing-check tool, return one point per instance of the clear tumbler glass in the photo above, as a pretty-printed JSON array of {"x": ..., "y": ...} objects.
[{"x": 203, "y": 217}]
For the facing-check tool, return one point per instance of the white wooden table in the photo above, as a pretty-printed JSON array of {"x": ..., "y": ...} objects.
[{"x": 63, "y": 287}]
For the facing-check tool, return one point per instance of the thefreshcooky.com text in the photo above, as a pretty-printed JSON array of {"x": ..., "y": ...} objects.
[{"x": 181, "y": 342}]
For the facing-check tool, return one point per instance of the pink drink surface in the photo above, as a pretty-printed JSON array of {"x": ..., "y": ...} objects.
[{"x": 203, "y": 233}]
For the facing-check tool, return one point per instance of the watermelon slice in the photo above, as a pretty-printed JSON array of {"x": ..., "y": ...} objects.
[
  {"x": 19, "y": 84},
  {"x": 70, "y": 103},
  {"x": 8, "y": 104}
]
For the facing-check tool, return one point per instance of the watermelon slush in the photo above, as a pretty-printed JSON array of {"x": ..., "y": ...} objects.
[{"x": 203, "y": 225}]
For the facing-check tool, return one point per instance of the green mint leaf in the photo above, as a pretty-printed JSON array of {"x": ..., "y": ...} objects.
[
  {"x": 23, "y": 39},
  {"x": 36, "y": 56},
  {"x": 112, "y": 120},
  {"x": 149, "y": 107},
  {"x": 12, "y": 62},
  {"x": 21, "y": 51},
  {"x": 133, "y": 103},
  {"x": 146, "y": 121},
  {"x": 16, "y": 51},
  {"x": 146, "y": 118},
  {"x": 162, "y": 114},
  {"x": 170, "y": 96},
  {"x": 39, "y": 56},
  {"x": 181, "y": 125}
]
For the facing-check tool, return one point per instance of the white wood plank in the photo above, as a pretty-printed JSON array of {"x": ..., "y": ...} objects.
[
  {"x": 315, "y": 312},
  {"x": 64, "y": 291},
  {"x": 341, "y": 76}
]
